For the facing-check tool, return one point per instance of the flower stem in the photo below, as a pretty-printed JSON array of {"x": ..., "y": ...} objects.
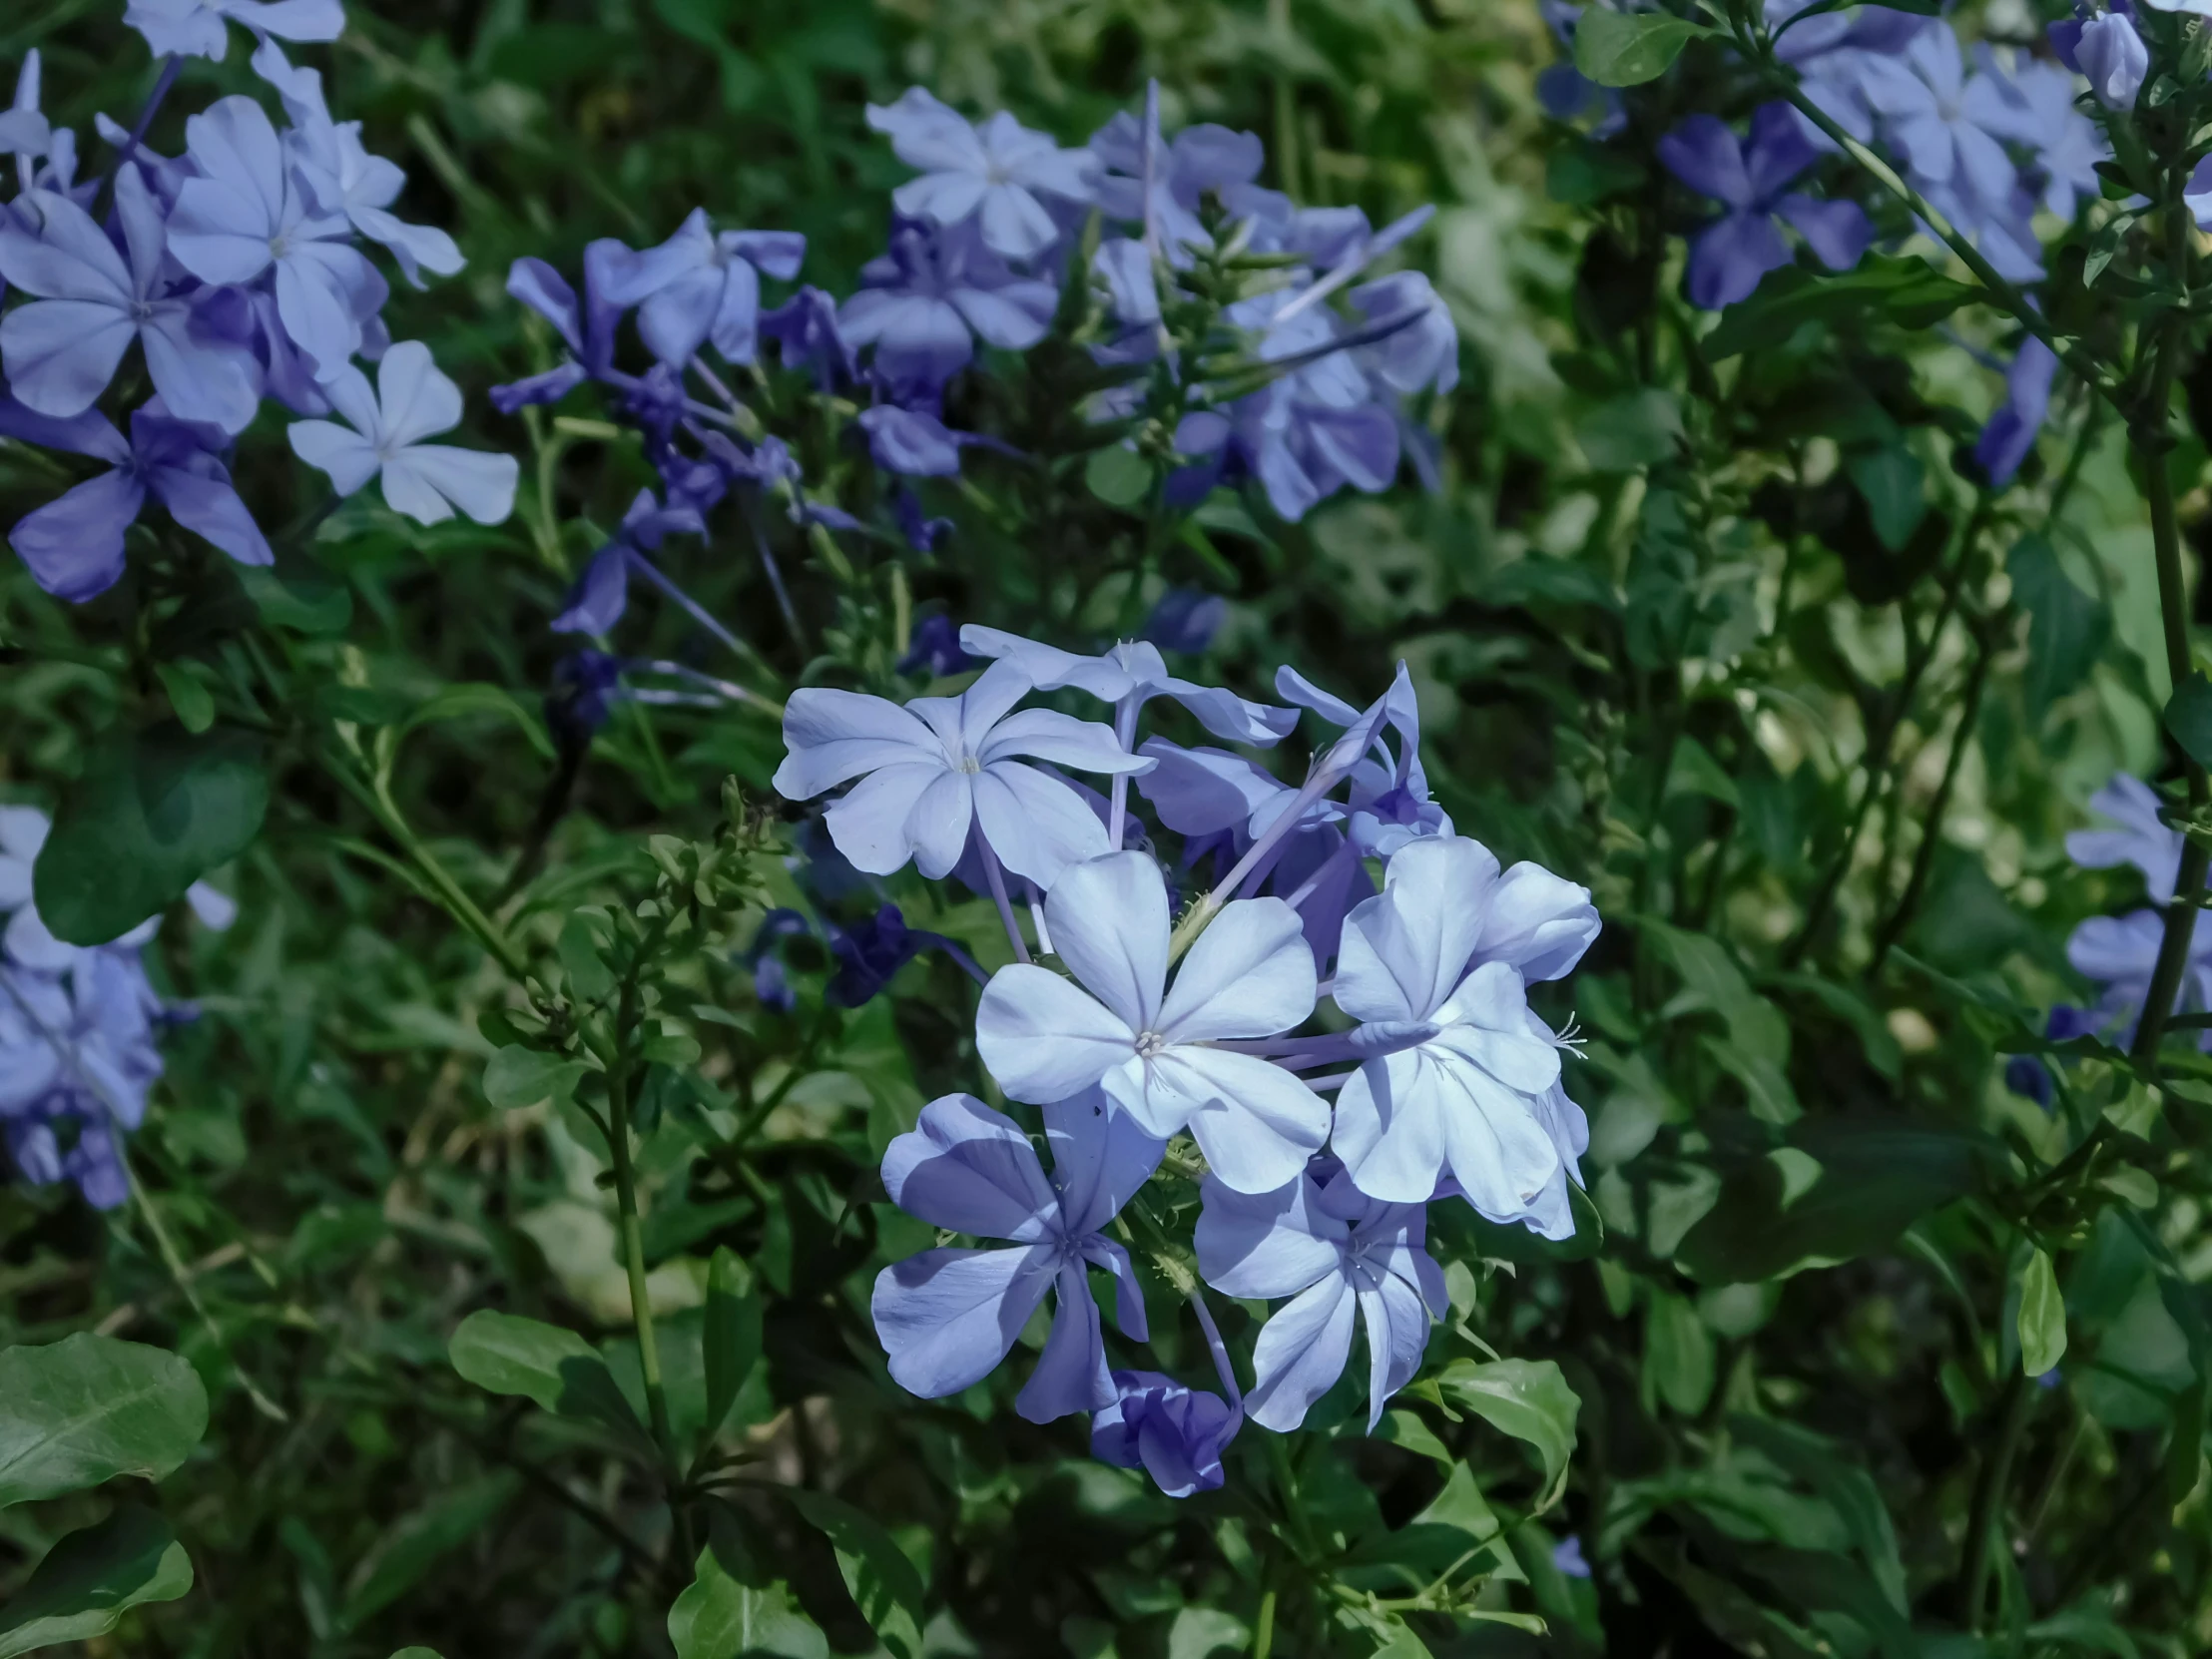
[
  {"x": 2148, "y": 436},
  {"x": 997, "y": 878}
]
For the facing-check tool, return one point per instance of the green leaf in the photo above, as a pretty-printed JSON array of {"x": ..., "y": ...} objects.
[
  {"x": 1526, "y": 1398},
  {"x": 732, "y": 1335},
  {"x": 719, "y": 1617},
  {"x": 2043, "y": 1321},
  {"x": 1636, "y": 430},
  {"x": 1910, "y": 292},
  {"x": 92, "y": 1577},
  {"x": 1892, "y": 480},
  {"x": 505, "y": 1353},
  {"x": 476, "y": 698},
  {"x": 2066, "y": 628},
  {"x": 1118, "y": 476},
  {"x": 883, "y": 1581},
  {"x": 1844, "y": 1187},
  {"x": 1200, "y": 1632},
  {"x": 152, "y": 813},
  {"x": 416, "y": 1653},
  {"x": 1695, "y": 772},
  {"x": 589, "y": 978},
  {"x": 416, "y": 1542},
  {"x": 518, "y": 1076},
  {"x": 193, "y": 703},
  {"x": 1626, "y": 49},
  {"x": 297, "y": 595},
  {"x": 1678, "y": 1354},
  {"x": 2188, "y": 718},
  {"x": 89, "y": 1408}
]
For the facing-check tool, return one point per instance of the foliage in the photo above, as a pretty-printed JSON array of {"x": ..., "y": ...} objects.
[{"x": 495, "y": 1267}]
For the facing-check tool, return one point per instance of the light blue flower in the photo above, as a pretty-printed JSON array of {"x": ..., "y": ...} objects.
[
  {"x": 342, "y": 178},
  {"x": 245, "y": 215},
  {"x": 412, "y": 401},
  {"x": 924, "y": 304},
  {"x": 2010, "y": 435},
  {"x": 1158, "y": 1053},
  {"x": 1174, "y": 1432},
  {"x": 1129, "y": 675},
  {"x": 992, "y": 171},
  {"x": 941, "y": 767},
  {"x": 2142, "y": 837},
  {"x": 92, "y": 301},
  {"x": 1334, "y": 1251},
  {"x": 949, "y": 1316},
  {"x": 200, "y": 28},
  {"x": 1200, "y": 161},
  {"x": 1464, "y": 1059},
  {"x": 74, "y": 543},
  {"x": 700, "y": 287}
]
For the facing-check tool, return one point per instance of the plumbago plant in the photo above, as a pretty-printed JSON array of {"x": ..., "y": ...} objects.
[{"x": 1394, "y": 847}]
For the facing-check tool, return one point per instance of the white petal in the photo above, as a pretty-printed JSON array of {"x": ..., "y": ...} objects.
[
  {"x": 346, "y": 456},
  {"x": 1404, "y": 949},
  {"x": 1045, "y": 1039},
  {"x": 1108, "y": 917},
  {"x": 478, "y": 482},
  {"x": 870, "y": 824},
  {"x": 1256, "y": 1123},
  {"x": 1251, "y": 974}
]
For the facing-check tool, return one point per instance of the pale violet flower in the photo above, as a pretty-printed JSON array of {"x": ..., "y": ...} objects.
[
  {"x": 698, "y": 286},
  {"x": 993, "y": 172},
  {"x": 1464, "y": 1062},
  {"x": 942, "y": 766},
  {"x": 949, "y": 1316},
  {"x": 2143, "y": 837},
  {"x": 1335, "y": 1252},
  {"x": 24, "y": 132},
  {"x": 412, "y": 401},
  {"x": 92, "y": 301},
  {"x": 1154, "y": 1051},
  {"x": 200, "y": 28},
  {"x": 1129, "y": 675},
  {"x": 247, "y": 214},
  {"x": 342, "y": 178}
]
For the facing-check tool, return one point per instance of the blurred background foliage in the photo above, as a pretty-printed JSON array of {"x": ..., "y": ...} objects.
[{"x": 1660, "y": 645}]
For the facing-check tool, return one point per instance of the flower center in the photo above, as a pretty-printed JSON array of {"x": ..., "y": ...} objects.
[
  {"x": 142, "y": 310},
  {"x": 1150, "y": 1045},
  {"x": 277, "y": 248},
  {"x": 968, "y": 763}
]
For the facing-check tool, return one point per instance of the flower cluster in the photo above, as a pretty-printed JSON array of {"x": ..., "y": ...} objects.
[
  {"x": 1156, "y": 257},
  {"x": 233, "y": 273},
  {"x": 1340, "y": 1055},
  {"x": 77, "y": 1030},
  {"x": 2119, "y": 953}
]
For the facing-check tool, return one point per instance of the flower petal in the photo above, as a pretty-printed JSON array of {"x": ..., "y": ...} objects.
[
  {"x": 1071, "y": 1373},
  {"x": 1300, "y": 1355},
  {"x": 946, "y": 1318},
  {"x": 832, "y": 735},
  {"x": 1108, "y": 917},
  {"x": 1251, "y": 974},
  {"x": 1255, "y": 1122},
  {"x": 1045, "y": 1039},
  {"x": 1266, "y": 1243},
  {"x": 970, "y": 1169}
]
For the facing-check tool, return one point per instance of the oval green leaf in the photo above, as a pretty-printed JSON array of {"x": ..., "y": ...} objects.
[{"x": 87, "y": 1409}]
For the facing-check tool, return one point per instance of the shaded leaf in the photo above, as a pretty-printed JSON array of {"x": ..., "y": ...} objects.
[
  {"x": 1526, "y": 1398},
  {"x": 1626, "y": 49},
  {"x": 92, "y": 1577},
  {"x": 89, "y": 1408},
  {"x": 505, "y": 1353},
  {"x": 883, "y": 1582},
  {"x": 418, "y": 1541},
  {"x": 2042, "y": 1316}
]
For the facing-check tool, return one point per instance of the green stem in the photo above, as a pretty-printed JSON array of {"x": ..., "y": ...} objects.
[
  {"x": 2148, "y": 436},
  {"x": 1989, "y": 1497},
  {"x": 378, "y": 798},
  {"x": 633, "y": 1256},
  {"x": 1924, "y": 856},
  {"x": 1263, "y": 1628}
]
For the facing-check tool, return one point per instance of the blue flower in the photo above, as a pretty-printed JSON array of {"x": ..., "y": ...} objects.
[
  {"x": 1129, "y": 675},
  {"x": 991, "y": 173},
  {"x": 1566, "y": 1558},
  {"x": 2011, "y": 435},
  {"x": 699, "y": 288},
  {"x": 1334, "y": 1251},
  {"x": 91, "y": 302},
  {"x": 601, "y": 595},
  {"x": 923, "y": 306},
  {"x": 1460, "y": 1062},
  {"x": 936, "y": 647},
  {"x": 941, "y": 767},
  {"x": 200, "y": 28},
  {"x": 1152, "y": 1049},
  {"x": 912, "y": 442},
  {"x": 586, "y": 685},
  {"x": 870, "y": 954},
  {"x": 1205, "y": 159},
  {"x": 771, "y": 986},
  {"x": 587, "y": 329},
  {"x": 244, "y": 213},
  {"x": 74, "y": 544},
  {"x": 1417, "y": 354},
  {"x": 2120, "y": 953},
  {"x": 2143, "y": 837},
  {"x": 949, "y": 1316},
  {"x": 340, "y": 177},
  {"x": 1730, "y": 255},
  {"x": 2040, "y": 112},
  {"x": 2104, "y": 48},
  {"x": 805, "y": 328},
  {"x": 1174, "y": 1432},
  {"x": 1185, "y": 620},
  {"x": 412, "y": 401}
]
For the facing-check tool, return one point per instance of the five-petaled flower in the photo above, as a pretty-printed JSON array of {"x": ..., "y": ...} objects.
[
  {"x": 947, "y": 1316},
  {"x": 412, "y": 401}
]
